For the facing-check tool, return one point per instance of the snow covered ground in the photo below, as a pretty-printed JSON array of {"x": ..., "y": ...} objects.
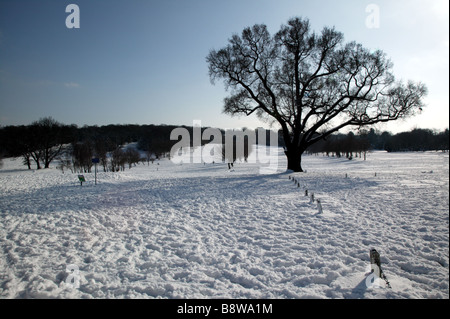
[{"x": 201, "y": 231}]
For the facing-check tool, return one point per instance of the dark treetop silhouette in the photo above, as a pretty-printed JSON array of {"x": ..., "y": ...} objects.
[{"x": 311, "y": 84}]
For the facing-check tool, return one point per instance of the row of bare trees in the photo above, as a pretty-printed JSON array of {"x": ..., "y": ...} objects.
[
  {"x": 340, "y": 145},
  {"x": 351, "y": 145},
  {"x": 39, "y": 143},
  {"x": 47, "y": 140},
  {"x": 236, "y": 151},
  {"x": 418, "y": 140},
  {"x": 78, "y": 157}
]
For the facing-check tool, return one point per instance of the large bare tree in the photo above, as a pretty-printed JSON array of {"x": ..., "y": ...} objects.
[
  {"x": 48, "y": 140},
  {"x": 311, "y": 84}
]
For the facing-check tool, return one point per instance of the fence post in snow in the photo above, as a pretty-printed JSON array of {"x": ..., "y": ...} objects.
[{"x": 319, "y": 206}]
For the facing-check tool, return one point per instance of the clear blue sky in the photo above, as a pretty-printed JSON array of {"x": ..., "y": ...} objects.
[{"x": 143, "y": 61}]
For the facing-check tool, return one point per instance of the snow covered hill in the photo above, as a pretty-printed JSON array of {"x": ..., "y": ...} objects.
[{"x": 171, "y": 230}]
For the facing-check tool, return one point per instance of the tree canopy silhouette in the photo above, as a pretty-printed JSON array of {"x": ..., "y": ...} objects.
[{"x": 311, "y": 84}]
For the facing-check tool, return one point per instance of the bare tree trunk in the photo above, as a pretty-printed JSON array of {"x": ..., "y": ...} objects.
[
  {"x": 27, "y": 160},
  {"x": 36, "y": 156},
  {"x": 294, "y": 158}
]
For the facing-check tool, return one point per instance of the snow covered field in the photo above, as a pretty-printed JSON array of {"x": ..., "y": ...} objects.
[{"x": 200, "y": 231}]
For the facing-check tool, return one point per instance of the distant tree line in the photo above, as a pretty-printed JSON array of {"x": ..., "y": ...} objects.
[
  {"x": 351, "y": 145},
  {"x": 38, "y": 143},
  {"x": 236, "y": 151},
  {"x": 418, "y": 140},
  {"x": 341, "y": 145},
  {"x": 47, "y": 140}
]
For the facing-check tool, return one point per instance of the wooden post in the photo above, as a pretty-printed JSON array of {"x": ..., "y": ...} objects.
[
  {"x": 319, "y": 206},
  {"x": 375, "y": 262}
]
